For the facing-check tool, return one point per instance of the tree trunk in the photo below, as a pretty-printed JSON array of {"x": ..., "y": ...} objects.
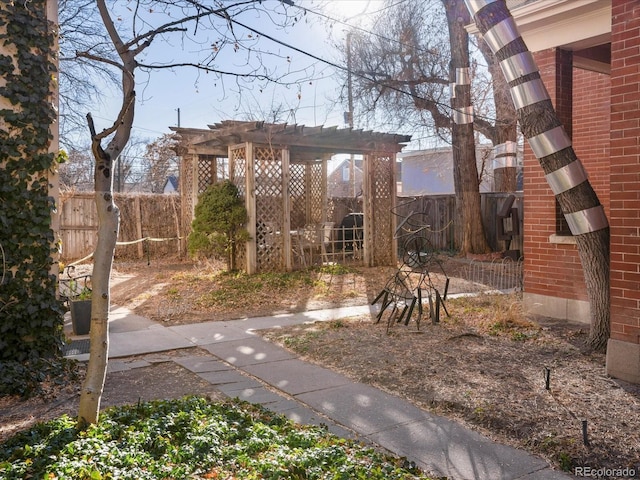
[
  {"x": 109, "y": 222},
  {"x": 465, "y": 168},
  {"x": 551, "y": 145},
  {"x": 108, "y": 225},
  {"x": 506, "y": 127}
]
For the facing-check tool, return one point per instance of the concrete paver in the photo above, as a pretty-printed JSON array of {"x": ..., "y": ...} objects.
[
  {"x": 248, "y": 351},
  {"x": 209, "y": 332},
  {"x": 245, "y": 366},
  {"x": 222, "y": 377},
  {"x": 362, "y": 408},
  {"x": 440, "y": 444},
  {"x": 295, "y": 376},
  {"x": 152, "y": 339},
  {"x": 198, "y": 364}
]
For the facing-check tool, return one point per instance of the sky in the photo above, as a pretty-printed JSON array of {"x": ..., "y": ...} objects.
[{"x": 194, "y": 100}]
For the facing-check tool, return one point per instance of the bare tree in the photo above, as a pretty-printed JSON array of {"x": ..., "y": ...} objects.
[
  {"x": 160, "y": 162},
  {"x": 128, "y": 168},
  {"x": 465, "y": 170},
  {"x": 400, "y": 72},
  {"x": 551, "y": 145},
  {"x": 81, "y": 81},
  {"x": 505, "y": 128},
  {"x": 76, "y": 172},
  {"x": 405, "y": 72},
  {"x": 209, "y": 29}
]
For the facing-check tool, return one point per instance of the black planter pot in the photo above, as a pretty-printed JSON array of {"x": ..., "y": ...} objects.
[{"x": 80, "y": 316}]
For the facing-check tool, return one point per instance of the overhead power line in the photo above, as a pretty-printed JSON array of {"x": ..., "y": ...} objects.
[{"x": 320, "y": 59}]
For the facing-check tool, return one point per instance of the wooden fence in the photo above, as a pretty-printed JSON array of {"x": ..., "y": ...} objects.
[
  {"x": 149, "y": 225},
  {"x": 438, "y": 211},
  {"x": 157, "y": 219}
]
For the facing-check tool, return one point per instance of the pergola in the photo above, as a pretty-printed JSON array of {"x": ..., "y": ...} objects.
[{"x": 281, "y": 173}]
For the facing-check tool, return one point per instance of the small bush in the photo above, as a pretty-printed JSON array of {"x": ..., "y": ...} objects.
[{"x": 218, "y": 224}]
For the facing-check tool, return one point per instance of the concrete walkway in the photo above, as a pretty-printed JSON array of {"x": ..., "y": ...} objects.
[{"x": 245, "y": 366}]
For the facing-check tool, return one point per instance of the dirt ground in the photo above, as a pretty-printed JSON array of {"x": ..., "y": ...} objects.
[{"x": 485, "y": 365}]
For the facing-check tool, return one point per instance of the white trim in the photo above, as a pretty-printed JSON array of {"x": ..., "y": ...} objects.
[
  {"x": 562, "y": 239},
  {"x": 572, "y": 24}
]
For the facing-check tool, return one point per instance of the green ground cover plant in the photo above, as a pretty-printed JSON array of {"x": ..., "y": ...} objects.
[{"x": 192, "y": 438}]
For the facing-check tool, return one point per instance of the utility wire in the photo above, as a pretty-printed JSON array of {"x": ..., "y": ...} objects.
[
  {"x": 342, "y": 67},
  {"x": 320, "y": 59},
  {"x": 364, "y": 30}
]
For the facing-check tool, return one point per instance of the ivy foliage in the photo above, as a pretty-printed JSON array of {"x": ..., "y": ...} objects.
[
  {"x": 31, "y": 317},
  {"x": 218, "y": 224},
  {"x": 194, "y": 438}
]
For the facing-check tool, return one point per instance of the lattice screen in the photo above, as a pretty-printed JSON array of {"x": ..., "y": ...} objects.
[
  {"x": 269, "y": 209},
  {"x": 382, "y": 191},
  {"x": 297, "y": 195},
  {"x": 239, "y": 174},
  {"x": 206, "y": 171},
  {"x": 238, "y": 177}
]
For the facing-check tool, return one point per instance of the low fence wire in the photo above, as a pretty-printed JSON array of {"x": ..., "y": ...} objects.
[{"x": 504, "y": 274}]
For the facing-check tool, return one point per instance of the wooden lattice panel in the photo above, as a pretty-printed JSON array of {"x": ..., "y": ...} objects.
[
  {"x": 297, "y": 195},
  {"x": 206, "y": 171},
  {"x": 239, "y": 173},
  {"x": 382, "y": 204},
  {"x": 269, "y": 209}
]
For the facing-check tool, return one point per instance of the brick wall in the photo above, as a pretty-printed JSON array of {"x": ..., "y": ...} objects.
[
  {"x": 553, "y": 269},
  {"x": 625, "y": 171}
]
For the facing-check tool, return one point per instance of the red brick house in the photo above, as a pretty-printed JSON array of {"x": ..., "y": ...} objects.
[
  {"x": 588, "y": 53},
  {"x": 340, "y": 183}
]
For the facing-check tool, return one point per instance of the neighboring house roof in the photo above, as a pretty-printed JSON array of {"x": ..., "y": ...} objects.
[
  {"x": 430, "y": 172},
  {"x": 346, "y": 163},
  {"x": 171, "y": 184},
  {"x": 338, "y": 186}
]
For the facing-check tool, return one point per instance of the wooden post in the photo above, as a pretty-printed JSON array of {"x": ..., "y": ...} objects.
[
  {"x": 394, "y": 197},
  {"x": 138, "y": 218},
  {"x": 367, "y": 209},
  {"x": 176, "y": 220},
  {"x": 307, "y": 193},
  {"x": 250, "y": 199},
  {"x": 194, "y": 184},
  {"x": 286, "y": 209},
  {"x": 325, "y": 198}
]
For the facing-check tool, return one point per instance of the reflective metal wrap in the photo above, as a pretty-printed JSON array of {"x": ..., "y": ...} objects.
[
  {"x": 586, "y": 221},
  {"x": 505, "y": 162},
  {"x": 506, "y": 147},
  {"x": 518, "y": 65},
  {"x": 462, "y": 76},
  {"x": 463, "y": 116},
  {"x": 452, "y": 89},
  {"x": 501, "y": 34},
  {"x": 567, "y": 177},
  {"x": 549, "y": 142},
  {"x": 475, "y": 5},
  {"x": 529, "y": 93}
]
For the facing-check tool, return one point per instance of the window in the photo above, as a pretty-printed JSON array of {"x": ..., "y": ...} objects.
[
  {"x": 345, "y": 173},
  {"x": 562, "y": 227}
]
